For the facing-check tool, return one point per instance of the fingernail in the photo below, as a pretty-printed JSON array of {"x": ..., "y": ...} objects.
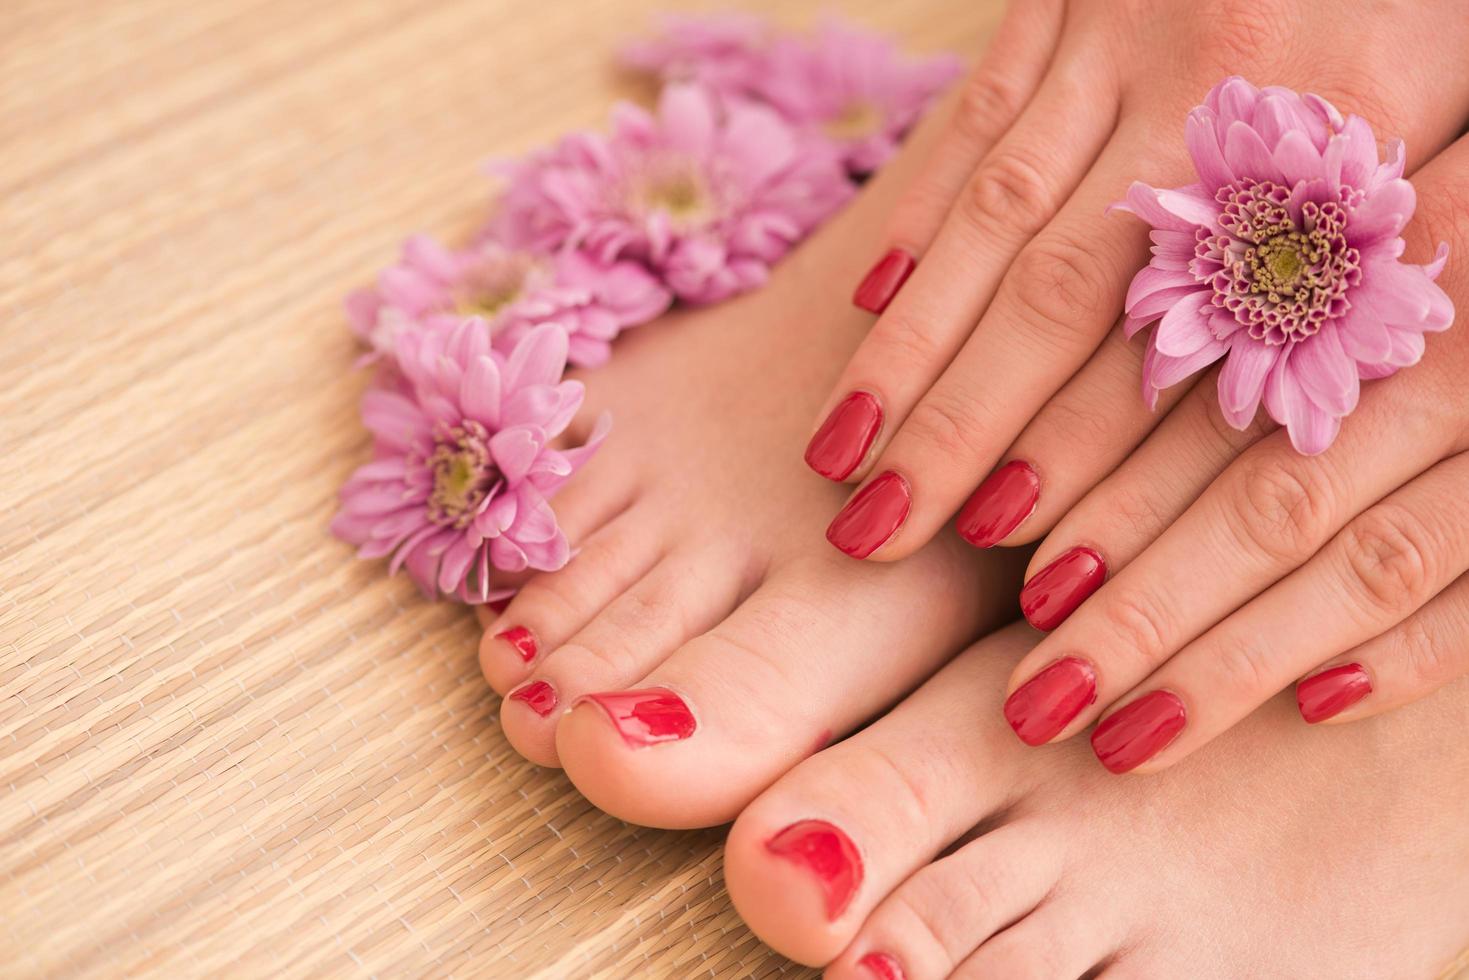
[
  {"x": 1329, "y": 693},
  {"x": 883, "y": 281},
  {"x": 1056, "y": 590},
  {"x": 646, "y": 717},
  {"x": 1139, "y": 731},
  {"x": 539, "y": 695},
  {"x": 1000, "y": 505},
  {"x": 499, "y": 605},
  {"x": 871, "y": 517},
  {"x": 827, "y": 853},
  {"x": 521, "y": 639},
  {"x": 884, "y": 966},
  {"x": 841, "y": 443},
  {"x": 1045, "y": 704}
]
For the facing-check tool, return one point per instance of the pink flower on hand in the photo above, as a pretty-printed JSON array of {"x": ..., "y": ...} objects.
[
  {"x": 707, "y": 194},
  {"x": 511, "y": 291},
  {"x": 1283, "y": 260},
  {"x": 463, "y": 465}
]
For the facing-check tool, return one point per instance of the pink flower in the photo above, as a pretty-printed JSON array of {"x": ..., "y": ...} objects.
[
  {"x": 1283, "y": 260},
  {"x": 722, "y": 51},
  {"x": 707, "y": 195},
  {"x": 511, "y": 291},
  {"x": 853, "y": 88},
  {"x": 463, "y": 466}
]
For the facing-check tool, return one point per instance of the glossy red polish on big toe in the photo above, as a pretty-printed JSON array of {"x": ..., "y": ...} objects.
[
  {"x": 646, "y": 717},
  {"x": 828, "y": 853},
  {"x": 1329, "y": 693},
  {"x": 522, "y": 639},
  {"x": 1145, "y": 727},
  {"x": 872, "y": 516},
  {"x": 1056, "y": 590},
  {"x": 840, "y": 445},
  {"x": 539, "y": 696},
  {"x": 1000, "y": 505},
  {"x": 883, "y": 281},
  {"x": 1041, "y": 707}
]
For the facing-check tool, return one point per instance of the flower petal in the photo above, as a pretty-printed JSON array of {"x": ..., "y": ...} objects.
[
  {"x": 540, "y": 358},
  {"x": 1363, "y": 335},
  {"x": 1312, "y": 428},
  {"x": 479, "y": 391},
  {"x": 1248, "y": 155},
  {"x": 1327, "y": 374},
  {"x": 1203, "y": 147},
  {"x": 514, "y": 450},
  {"x": 1383, "y": 214},
  {"x": 1184, "y": 329},
  {"x": 1297, "y": 158},
  {"x": 1169, "y": 371},
  {"x": 1242, "y": 379}
]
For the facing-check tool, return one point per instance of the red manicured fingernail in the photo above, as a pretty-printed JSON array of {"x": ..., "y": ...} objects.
[
  {"x": 1000, "y": 505},
  {"x": 883, "y": 281},
  {"x": 539, "y": 695},
  {"x": 1045, "y": 704},
  {"x": 1061, "y": 586},
  {"x": 521, "y": 639},
  {"x": 1138, "y": 732},
  {"x": 883, "y": 966},
  {"x": 828, "y": 854},
  {"x": 871, "y": 517},
  {"x": 844, "y": 438},
  {"x": 646, "y": 717},
  {"x": 1329, "y": 693}
]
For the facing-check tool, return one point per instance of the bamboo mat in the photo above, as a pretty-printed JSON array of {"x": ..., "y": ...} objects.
[{"x": 225, "y": 746}]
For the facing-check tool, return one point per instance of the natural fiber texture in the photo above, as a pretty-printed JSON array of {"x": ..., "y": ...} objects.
[{"x": 225, "y": 745}]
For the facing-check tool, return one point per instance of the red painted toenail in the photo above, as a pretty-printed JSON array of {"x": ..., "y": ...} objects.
[
  {"x": 1056, "y": 590},
  {"x": 1045, "y": 704},
  {"x": 1000, "y": 505},
  {"x": 872, "y": 516},
  {"x": 828, "y": 853},
  {"x": 646, "y": 717},
  {"x": 1329, "y": 693},
  {"x": 841, "y": 443},
  {"x": 521, "y": 639},
  {"x": 883, "y": 281},
  {"x": 1132, "y": 736},
  {"x": 539, "y": 695},
  {"x": 884, "y": 966}
]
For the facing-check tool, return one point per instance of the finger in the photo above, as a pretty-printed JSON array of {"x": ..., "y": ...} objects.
[
  {"x": 1408, "y": 662},
  {"x": 1016, "y": 188},
  {"x": 988, "y": 101}
]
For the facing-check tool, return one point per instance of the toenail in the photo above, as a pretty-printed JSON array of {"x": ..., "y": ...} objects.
[
  {"x": 522, "y": 639},
  {"x": 645, "y": 717},
  {"x": 1329, "y": 693},
  {"x": 871, "y": 517},
  {"x": 883, "y": 966},
  {"x": 840, "y": 445},
  {"x": 1056, "y": 590},
  {"x": 883, "y": 281},
  {"x": 827, "y": 853},
  {"x": 1041, "y": 707},
  {"x": 1000, "y": 505},
  {"x": 539, "y": 695},
  {"x": 1132, "y": 736}
]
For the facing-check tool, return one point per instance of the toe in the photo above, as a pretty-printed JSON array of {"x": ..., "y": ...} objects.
[
  {"x": 809, "y": 656},
  {"x": 553, "y": 606},
  {"x": 682, "y": 596},
  {"x": 1062, "y": 938}
]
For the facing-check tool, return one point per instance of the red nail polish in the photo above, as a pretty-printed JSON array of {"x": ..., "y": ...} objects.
[
  {"x": 871, "y": 517},
  {"x": 827, "y": 853},
  {"x": 1138, "y": 732},
  {"x": 521, "y": 639},
  {"x": 883, "y": 281},
  {"x": 539, "y": 695},
  {"x": 646, "y": 717},
  {"x": 883, "y": 966},
  {"x": 1329, "y": 693},
  {"x": 1061, "y": 586},
  {"x": 1045, "y": 704},
  {"x": 844, "y": 438},
  {"x": 1000, "y": 505},
  {"x": 499, "y": 605}
]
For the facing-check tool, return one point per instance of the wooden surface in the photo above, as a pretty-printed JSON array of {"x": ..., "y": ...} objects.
[{"x": 225, "y": 746}]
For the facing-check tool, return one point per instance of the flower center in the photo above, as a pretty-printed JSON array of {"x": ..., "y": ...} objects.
[
  {"x": 674, "y": 186},
  {"x": 856, "y": 120},
  {"x": 492, "y": 284},
  {"x": 1281, "y": 276},
  {"x": 464, "y": 474}
]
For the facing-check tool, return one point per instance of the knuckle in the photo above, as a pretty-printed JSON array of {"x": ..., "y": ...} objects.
[
  {"x": 1234, "y": 33},
  {"x": 1064, "y": 287},
  {"x": 1388, "y": 554},
  {"x": 1006, "y": 192},
  {"x": 1245, "y": 669},
  {"x": 1425, "y": 660},
  {"x": 988, "y": 101},
  {"x": 1083, "y": 431},
  {"x": 1280, "y": 510},
  {"x": 949, "y": 425},
  {"x": 906, "y": 342},
  {"x": 895, "y": 782},
  {"x": 1142, "y": 626},
  {"x": 925, "y": 915},
  {"x": 1137, "y": 511}
]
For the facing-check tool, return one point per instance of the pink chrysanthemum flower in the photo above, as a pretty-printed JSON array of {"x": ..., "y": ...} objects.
[
  {"x": 852, "y": 87},
  {"x": 463, "y": 465},
  {"x": 723, "y": 51},
  {"x": 511, "y": 291},
  {"x": 708, "y": 195},
  {"x": 1284, "y": 260}
]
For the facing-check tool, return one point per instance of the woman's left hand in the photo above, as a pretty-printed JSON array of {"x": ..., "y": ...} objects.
[{"x": 1344, "y": 573}]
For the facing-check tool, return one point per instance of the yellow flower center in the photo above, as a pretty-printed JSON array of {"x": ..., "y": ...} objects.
[{"x": 857, "y": 120}]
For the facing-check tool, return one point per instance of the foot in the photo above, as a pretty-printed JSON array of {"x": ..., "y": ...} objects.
[
  {"x": 934, "y": 842},
  {"x": 704, "y": 576}
]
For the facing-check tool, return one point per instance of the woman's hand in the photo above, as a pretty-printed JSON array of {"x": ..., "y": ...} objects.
[
  {"x": 1000, "y": 348},
  {"x": 1344, "y": 573}
]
